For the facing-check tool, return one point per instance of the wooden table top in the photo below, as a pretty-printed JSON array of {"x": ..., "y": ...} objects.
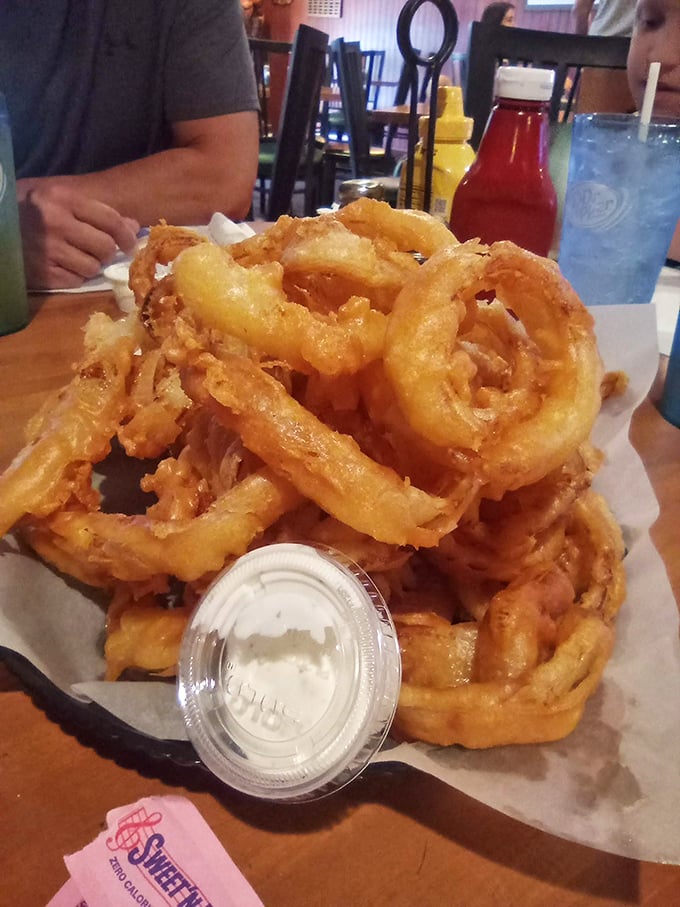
[
  {"x": 397, "y": 115},
  {"x": 397, "y": 839}
]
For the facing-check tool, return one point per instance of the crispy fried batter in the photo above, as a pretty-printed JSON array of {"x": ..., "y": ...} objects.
[{"x": 315, "y": 383}]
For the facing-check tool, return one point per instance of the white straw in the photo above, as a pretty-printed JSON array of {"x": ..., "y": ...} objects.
[{"x": 648, "y": 100}]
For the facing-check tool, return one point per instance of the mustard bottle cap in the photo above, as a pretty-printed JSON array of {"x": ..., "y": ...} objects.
[{"x": 451, "y": 125}]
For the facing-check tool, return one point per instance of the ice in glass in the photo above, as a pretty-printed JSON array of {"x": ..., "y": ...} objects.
[{"x": 621, "y": 207}]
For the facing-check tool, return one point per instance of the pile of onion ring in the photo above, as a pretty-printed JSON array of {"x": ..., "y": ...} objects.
[{"x": 317, "y": 382}]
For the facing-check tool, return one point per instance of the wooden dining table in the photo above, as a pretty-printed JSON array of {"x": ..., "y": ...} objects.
[
  {"x": 397, "y": 115},
  {"x": 389, "y": 838}
]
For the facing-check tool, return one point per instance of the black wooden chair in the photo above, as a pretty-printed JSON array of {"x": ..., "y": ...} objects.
[
  {"x": 293, "y": 155},
  {"x": 332, "y": 120},
  {"x": 358, "y": 156},
  {"x": 373, "y": 64},
  {"x": 401, "y": 96},
  {"x": 567, "y": 54},
  {"x": 264, "y": 52}
]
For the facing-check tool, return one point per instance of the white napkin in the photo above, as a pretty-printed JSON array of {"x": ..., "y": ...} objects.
[{"x": 225, "y": 232}]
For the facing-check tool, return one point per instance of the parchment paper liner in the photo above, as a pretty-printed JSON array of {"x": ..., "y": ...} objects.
[{"x": 613, "y": 784}]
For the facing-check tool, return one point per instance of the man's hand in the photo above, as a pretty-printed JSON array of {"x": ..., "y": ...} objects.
[{"x": 67, "y": 236}]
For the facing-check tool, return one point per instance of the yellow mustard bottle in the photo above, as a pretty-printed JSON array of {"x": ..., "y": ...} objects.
[{"x": 451, "y": 158}]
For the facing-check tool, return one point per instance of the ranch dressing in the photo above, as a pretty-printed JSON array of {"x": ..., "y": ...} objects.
[{"x": 289, "y": 673}]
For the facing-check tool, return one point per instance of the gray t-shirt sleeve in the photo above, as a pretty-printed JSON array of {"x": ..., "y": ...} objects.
[
  {"x": 614, "y": 18},
  {"x": 207, "y": 68},
  {"x": 100, "y": 83}
]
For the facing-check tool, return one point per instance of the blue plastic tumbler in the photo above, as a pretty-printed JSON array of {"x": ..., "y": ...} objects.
[{"x": 622, "y": 204}]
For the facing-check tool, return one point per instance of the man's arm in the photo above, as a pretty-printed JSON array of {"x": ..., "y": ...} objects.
[
  {"x": 72, "y": 224},
  {"x": 581, "y": 15},
  {"x": 212, "y": 166}
]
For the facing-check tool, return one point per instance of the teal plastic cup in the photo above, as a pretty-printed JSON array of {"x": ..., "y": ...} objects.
[
  {"x": 13, "y": 299},
  {"x": 621, "y": 207},
  {"x": 670, "y": 399}
]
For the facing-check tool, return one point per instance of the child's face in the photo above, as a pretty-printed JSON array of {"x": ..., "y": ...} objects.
[{"x": 656, "y": 37}]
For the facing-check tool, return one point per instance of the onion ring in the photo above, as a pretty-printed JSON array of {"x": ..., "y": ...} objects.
[
  {"x": 250, "y": 304},
  {"x": 320, "y": 462},
  {"x": 135, "y": 548},
  {"x": 431, "y": 377},
  {"x": 75, "y": 428},
  {"x": 523, "y": 673}
]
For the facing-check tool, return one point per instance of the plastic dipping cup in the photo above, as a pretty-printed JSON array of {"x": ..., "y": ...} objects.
[
  {"x": 289, "y": 673},
  {"x": 118, "y": 275},
  {"x": 670, "y": 400},
  {"x": 621, "y": 207}
]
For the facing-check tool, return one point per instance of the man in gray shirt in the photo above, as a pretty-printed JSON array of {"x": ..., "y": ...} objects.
[
  {"x": 124, "y": 112},
  {"x": 611, "y": 17}
]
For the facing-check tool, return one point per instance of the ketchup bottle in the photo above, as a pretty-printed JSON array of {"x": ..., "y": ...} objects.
[{"x": 508, "y": 193}]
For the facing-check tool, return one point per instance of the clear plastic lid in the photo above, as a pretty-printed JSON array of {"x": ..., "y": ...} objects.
[
  {"x": 524, "y": 83},
  {"x": 289, "y": 673}
]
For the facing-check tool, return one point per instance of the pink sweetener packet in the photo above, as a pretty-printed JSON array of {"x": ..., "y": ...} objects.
[
  {"x": 158, "y": 852},
  {"x": 68, "y": 896}
]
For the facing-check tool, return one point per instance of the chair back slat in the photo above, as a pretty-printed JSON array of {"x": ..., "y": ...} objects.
[
  {"x": 297, "y": 125},
  {"x": 264, "y": 52},
  {"x": 490, "y": 45},
  {"x": 351, "y": 82},
  {"x": 373, "y": 62}
]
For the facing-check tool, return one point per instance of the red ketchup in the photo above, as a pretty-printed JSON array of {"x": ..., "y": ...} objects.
[{"x": 508, "y": 193}]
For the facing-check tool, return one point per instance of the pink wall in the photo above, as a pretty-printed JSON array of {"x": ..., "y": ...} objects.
[{"x": 373, "y": 23}]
